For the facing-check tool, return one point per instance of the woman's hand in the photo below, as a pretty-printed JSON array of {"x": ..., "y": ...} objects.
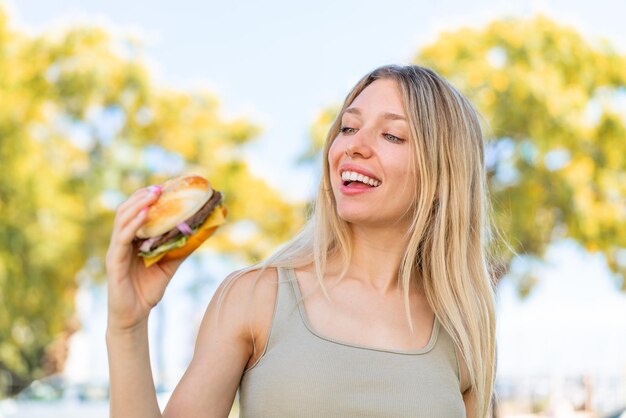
[{"x": 133, "y": 289}]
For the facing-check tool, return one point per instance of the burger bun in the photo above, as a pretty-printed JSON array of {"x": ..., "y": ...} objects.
[{"x": 180, "y": 198}]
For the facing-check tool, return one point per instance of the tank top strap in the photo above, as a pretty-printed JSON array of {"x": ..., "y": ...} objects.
[
  {"x": 286, "y": 319},
  {"x": 288, "y": 296}
]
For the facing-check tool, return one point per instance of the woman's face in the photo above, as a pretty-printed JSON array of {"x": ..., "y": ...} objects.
[{"x": 369, "y": 159}]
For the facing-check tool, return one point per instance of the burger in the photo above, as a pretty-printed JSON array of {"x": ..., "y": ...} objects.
[{"x": 186, "y": 214}]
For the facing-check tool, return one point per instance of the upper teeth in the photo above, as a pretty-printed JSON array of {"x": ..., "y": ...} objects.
[{"x": 353, "y": 176}]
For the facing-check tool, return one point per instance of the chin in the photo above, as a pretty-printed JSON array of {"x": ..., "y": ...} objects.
[
  {"x": 373, "y": 219},
  {"x": 355, "y": 217}
]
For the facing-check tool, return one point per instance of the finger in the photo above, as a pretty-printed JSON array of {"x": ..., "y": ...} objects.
[
  {"x": 127, "y": 232},
  {"x": 122, "y": 246},
  {"x": 137, "y": 205},
  {"x": 118, "y": 261},
  {"x": 124, "y": 235},
  {"x": 127, "y": 221},
  {"x": 118, "y": 251},
  {"x": 118, "y": 256},
  {"x": 137, "y": 196},
  {"x": 137, "y": 193}
]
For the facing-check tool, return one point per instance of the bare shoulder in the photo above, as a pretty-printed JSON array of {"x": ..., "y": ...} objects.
[
  {"x": 246, "y": 290},
  {"x": 242, "y": 283},
  {"x": 251, "y": 297}
]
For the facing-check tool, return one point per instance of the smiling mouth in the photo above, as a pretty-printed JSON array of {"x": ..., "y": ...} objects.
[{"x": 349, "y": 177}]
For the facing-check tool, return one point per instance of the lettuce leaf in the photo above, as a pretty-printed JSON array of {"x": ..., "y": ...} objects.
[{"x": 166, "y": 247}]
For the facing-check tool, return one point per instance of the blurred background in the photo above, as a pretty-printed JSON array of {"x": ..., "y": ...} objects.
[{"x": 100, "y": 98}]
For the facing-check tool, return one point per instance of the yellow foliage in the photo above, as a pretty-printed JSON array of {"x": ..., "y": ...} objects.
[
  {"x": 539, "y": 82},
  {"x": 81, "y": 127},
  {"x": 542, "y": 87}
]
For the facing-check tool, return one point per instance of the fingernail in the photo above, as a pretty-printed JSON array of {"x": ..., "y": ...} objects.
[
  {"x": 144, "y": 210},
  {"x": 155, "y": 189}
]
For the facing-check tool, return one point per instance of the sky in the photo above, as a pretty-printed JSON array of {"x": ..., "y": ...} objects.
[{"x": 279, "y": 63}]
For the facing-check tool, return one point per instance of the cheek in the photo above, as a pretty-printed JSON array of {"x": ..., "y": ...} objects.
[{"x": 334, "y": 153}]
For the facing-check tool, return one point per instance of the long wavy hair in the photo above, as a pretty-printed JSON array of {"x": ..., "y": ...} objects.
[{"x": 450, "y": 227}]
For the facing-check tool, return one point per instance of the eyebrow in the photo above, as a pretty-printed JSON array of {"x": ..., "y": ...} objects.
[{"x": 386, "y": 115}]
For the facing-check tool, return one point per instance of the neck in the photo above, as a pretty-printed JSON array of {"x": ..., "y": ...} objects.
[{"x": 376, "y": 256}]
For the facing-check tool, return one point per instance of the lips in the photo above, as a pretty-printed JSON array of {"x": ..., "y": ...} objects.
[
  {"x": 350, "y": 173},
  {"x": 352, "y": 177}
]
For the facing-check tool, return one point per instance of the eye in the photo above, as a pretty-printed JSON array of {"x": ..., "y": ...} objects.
[
  {"x": 347, "y": 130},
  {"x": 393, "y": 138}
]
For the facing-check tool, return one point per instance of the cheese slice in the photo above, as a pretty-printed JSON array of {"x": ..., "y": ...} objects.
[{"x": 215, "y": 219}]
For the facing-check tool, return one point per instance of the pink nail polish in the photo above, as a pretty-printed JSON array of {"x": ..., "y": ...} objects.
[{"x": 155, "y": 189}]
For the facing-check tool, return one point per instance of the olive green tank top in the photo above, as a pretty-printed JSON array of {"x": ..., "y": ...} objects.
[{"x": 304, "y": 374}]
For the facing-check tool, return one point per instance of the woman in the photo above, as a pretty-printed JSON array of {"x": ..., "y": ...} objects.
[{"x": 381, "y": 306}]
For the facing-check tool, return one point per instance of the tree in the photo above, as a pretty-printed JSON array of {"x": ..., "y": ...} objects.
[
  {"x": 81, "y": 127},
  {"x": 556, "y": 150},
  {"x": 557, "y": 156}
]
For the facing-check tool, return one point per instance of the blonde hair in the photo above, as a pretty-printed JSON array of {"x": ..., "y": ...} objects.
[{"x": 450, "y": 220}]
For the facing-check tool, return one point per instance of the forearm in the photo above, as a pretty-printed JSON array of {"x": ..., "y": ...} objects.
[{"x": 132, "y": 392}]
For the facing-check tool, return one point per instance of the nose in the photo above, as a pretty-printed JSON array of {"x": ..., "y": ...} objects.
[{"x": 358, "y": 145}]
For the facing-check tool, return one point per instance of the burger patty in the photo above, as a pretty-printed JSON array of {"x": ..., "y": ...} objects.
[{"x": 193, "y": 222}]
